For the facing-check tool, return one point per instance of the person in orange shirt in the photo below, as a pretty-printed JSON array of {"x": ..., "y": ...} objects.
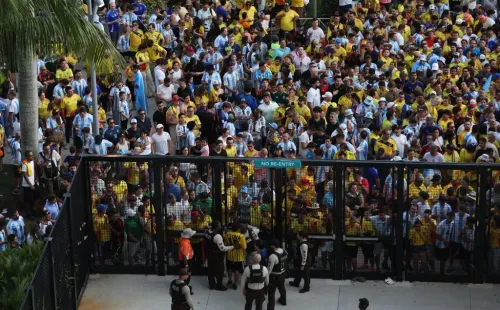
[{"x": 186, "y": 253}]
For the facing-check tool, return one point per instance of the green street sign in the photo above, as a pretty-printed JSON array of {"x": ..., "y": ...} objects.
[{"x": 277, "y": 163}]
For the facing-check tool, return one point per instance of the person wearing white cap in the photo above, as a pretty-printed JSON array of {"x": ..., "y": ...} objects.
[
  {"x": 368, "y": 106},
  {"x": 134, "y": 232},
  {"x": 186, "y": 253},
  {"x": 161, "y": 141}
]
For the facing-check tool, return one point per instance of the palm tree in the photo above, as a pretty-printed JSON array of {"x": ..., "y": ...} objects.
[{"x": 31, "y": 26}]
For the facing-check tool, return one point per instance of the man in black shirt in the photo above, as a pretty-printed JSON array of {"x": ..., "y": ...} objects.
[
  {"x": 133, "y": 133},
  {"x": 196, "y": 69},
  {"x": 218, "y": 150},
  {"x": 338, "y": 89},
  {"x": 183, "y": 91},
  {"x": 144, "y": 123},
  {"x": 317, "y": 121},
  {"x": 160, "y": 115}
]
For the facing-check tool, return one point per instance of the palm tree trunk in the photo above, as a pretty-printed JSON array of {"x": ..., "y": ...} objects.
[{"x": 28, "y": 100}]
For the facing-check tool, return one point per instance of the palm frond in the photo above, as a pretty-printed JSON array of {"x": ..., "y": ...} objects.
[{"x": 44, "y": 24}]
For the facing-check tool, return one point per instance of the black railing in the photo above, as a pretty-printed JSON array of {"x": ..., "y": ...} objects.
[
  {"x": 345, "y": 237},
  {"x": 63, "y": 269}
]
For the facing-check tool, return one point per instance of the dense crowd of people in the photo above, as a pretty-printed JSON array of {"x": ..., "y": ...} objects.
[{"x": 380, "y": 80}]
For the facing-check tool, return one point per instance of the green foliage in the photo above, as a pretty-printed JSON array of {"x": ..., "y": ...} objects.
[
  {"x": 16, "y": 271},
  {"x": 152, "y": 4}
]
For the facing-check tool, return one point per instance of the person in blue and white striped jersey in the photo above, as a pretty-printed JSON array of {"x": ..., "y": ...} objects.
[
  {"x": 215, "y": 58},
  {"x": 211, "y": 76},
  {"x": 100, "y": 145},
  {"x": 231, "y": 82},
  {"x": 79, "y": 84}
]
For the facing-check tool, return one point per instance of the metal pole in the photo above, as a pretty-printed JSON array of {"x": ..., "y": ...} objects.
[
  {"x": 398, "y": 219},
  {"x": 339, "y": 221},
  {"x": 93, "y": 82},
  {"x": 315, "y": 8}
]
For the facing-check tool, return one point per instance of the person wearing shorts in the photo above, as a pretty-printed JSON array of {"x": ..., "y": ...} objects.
[
  {"x": 443, "y": 235},
  {"x": 418, "y": 237},
  {"x": 236, "y": 256}
]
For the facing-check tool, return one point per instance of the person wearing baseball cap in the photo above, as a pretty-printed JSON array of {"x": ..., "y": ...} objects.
[{"x": 363, "y": 304}]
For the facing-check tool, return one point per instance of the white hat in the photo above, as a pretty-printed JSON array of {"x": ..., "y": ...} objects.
[
  {"x": 433, "y": 93},
  {"x": 159, "y": 126},
  {"x": 422, "y": 57},
  {"x": 390, "y": 105},
  {"x": 459, "y": 21},
  {"x": 328, "y": 95},
  {"x": 397, "y": 158},
  {"x": 442, "y": 59},
  {"x": 369, "y": 115},
  {"x": 133, "y": 121},
  {"x": 436, "y": 45},
  {"x": 382, "y": 99},
  {"x": 130, "y": 213},
  {"x": 343, "y": 126},
  {"x": 482, "y": 57},
  {"x": 188, "y": 233},
  {"x": 432, "y": 7},
  {"x": 314, "y": 206},
  {"x": 348, "y": 112},
  {"x": 368, "y": 100}
]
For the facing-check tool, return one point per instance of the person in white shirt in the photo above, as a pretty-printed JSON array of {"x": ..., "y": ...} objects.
[
  {"x": 304, "y": 139},
  {"x": 314, "y": 95},
  {"x": 268, "y": 107},
  {"x": 165, "y": 91},
  {"x": 315, "y": 32},
  {"x": 160, "y": 70},
  {"x": 254, "y": 280},
  {"x": 400, "y": 140},
  {"x": 161, "y": 141},
  {"x": 207, "y": 15}
]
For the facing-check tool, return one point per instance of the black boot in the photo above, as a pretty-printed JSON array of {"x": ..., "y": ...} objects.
[{"x": 220, "y": 287}]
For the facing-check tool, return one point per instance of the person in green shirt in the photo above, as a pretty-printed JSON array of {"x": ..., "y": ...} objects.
[
  {"x": 204, "y": 203},
  {"x": 134, "y": 231}
]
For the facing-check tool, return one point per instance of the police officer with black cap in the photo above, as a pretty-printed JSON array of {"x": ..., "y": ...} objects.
[
  {"x": 215, "y": 250},
  {"x": 180, "y": 292},
  {"x": 303, "y": 260},
  {"x": 277, "y": 264},
  {"x": 363, "y": 304},
  {"x": 255, "y": 280}
]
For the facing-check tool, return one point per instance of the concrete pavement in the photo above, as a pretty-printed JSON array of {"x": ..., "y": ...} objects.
[{"x": 151, "y": 292}]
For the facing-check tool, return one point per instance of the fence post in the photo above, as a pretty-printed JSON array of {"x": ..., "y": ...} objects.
[
  {"x": 339, "y": 222},
  {"x": 217, "y": 191},
  {"x": 399, "y": 257},
  {"x": 480, "y": 238},
  {"x": 160, "y": 234},
  {"x": 278, "y": 214},
  {"x": 72, "y": 247},
  {"x": 88, "y": 229},
  {"x": 53, "y": 272}
]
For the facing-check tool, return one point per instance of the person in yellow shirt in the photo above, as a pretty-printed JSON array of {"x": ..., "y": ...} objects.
[
  {"x": 287, "y": 18},
  {"x": 418, "y": 237},
  {"x": 153, "y": 35},
  {"x": 136, "y": 37},
  {"x": 387, "y": 143},
  {"x": 416, "y": 187},
  {"x": 69, "y": 104},
  {"x": 43, "y": 108},
  {"x": 235, "y": 257},
  {"x": 64, "y": 71},
  {"x": 155, "y": 51},
  {"x": 250, "y": 10},
  {"x": 352, "y": 229},
  {"x": 367, "y": 230},
  {"x": 103, "y": 232}
]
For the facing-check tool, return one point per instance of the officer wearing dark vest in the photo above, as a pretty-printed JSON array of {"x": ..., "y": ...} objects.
[
  {"x": 215, "y": 249},
  {"x": 277, "y": 265},
  {"x": 180, "y": 292},
  {"x": 303, "y": 261},
  {"x": 255, "y": 280}
]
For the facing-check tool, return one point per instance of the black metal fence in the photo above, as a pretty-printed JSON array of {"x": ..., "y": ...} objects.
[
  {"x": 370, "y": 219},
  {"x": 63, "y": 269},
  {"x": 359, "y": 216}
]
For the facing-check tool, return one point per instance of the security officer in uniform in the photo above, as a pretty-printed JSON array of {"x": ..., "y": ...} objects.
[
  {"x": 277, "y": 266},
  {"x": 303, "y": 260},
  {"x": 255, "y": 280},
  {"x": 180, "y": 292},
  {"x": 215, "y": 249}
]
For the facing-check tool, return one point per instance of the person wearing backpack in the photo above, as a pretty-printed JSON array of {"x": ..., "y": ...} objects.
[
  {"x": 49, "y": 162},
  {"x": 277, "y": 265},
  {"x": 254, "y": 281}
]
